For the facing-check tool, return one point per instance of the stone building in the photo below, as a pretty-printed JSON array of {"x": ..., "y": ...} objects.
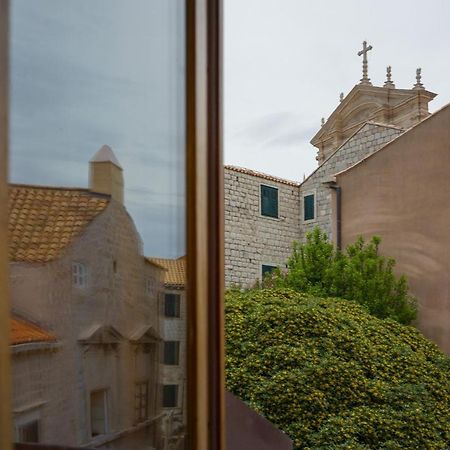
[
  {"x": 262, "y": 219},
  {"x": 77, "y": 270},
  {"x": 174, "y": 354},
  {"x": 265, "y": 214},
  {"x": 383, "y": 169}
]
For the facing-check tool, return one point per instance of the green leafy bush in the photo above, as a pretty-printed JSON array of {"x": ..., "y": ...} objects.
[
  {"x": 332, "y": 376},
  {"x": 360, "y": 274}
]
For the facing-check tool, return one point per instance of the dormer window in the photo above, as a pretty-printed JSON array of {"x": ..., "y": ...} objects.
[{"x": 79, "y": 275}]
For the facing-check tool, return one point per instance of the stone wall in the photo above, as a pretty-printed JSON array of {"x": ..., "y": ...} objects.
[
  {"x": 367, "y": 140},
  {"x": 250, "y": 238}
]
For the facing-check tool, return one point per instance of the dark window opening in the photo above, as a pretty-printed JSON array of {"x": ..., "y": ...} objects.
[
  {"x": 141, "y": 402},
  {"x": 269, "y": 201},
  {"x": 170, "y": 395},
  {"x": 171, "y": 353},
  {"x": 172, "y": 305},
  {"x": 266, "y": 269},
  {"x": 29, "y": 432},
  {"x": 308, "y": 207}
]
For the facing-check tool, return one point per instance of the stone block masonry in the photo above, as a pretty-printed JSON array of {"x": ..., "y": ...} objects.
[
  {"x": 252, "y": 239},
  {"x": 370, "y": 138}
]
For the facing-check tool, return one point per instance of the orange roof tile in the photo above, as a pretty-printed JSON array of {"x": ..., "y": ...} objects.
[
  {"x": 175, "y": 270},
  {"x": 44, "y": 220},
  {"x": 23, "y": 332}
]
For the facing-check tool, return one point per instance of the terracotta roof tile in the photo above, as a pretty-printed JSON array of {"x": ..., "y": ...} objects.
[
  {"x": 44, "y": 220},
  {"x": 175, "y": 270},
  {"x": 23, "y": 332}
]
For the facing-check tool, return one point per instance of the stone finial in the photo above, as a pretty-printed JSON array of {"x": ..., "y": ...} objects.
[
  {"x": 418, "y": 84},
  {"x": 322, "y": 121},
  {"x": 341, "y": 96},
  {"x": 365, "y": 79},
  {"x": 389, "y": 83}
]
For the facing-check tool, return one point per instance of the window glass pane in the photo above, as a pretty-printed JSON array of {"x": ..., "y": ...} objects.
[{"x": 98, "y": 266}]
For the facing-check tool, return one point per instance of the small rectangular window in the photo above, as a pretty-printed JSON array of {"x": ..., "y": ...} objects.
[
  {"x": 171, "y": 353},
  {"x": 29, "y": 432},
  {"x": 79, "y": 275},
  {"x": 308, "y": 207},
  {"x": 141, "y": 402},
  {"x": 170, "y": 395},
  {"x": 172, "y": 305},
  {"x": 266, "y": 269},
  {"x": 269, "y": 201}
]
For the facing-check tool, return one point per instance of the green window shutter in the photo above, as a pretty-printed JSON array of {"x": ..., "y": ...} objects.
[
  {"x": 171, "y": 353},
  {"x": 265, "y": 269},
  {"x": 308, "y": 207},
  {"x": 269, "y": 201},
  {"x": 170, "y": 395},
  {"x": 172, "y": 305}
]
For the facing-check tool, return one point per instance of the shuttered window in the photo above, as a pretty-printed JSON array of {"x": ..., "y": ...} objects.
[
  {"x": 308, "y": 207},
  {"x": 170, "y": 395},
  {"x": 172, "y": 305},
  {"x": 171, "y": 353},
  {"x": 269, "y": 201},
  {"x": 266, "y": 269}
]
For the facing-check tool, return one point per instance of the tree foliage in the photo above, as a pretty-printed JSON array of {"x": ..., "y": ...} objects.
[
  {"x": 332, "y": 376},
  {"x": 360, "y": 274}
]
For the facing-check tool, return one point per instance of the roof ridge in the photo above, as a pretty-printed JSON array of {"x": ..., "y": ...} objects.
[
  {"x": 261, "y": 174},
  {"x": 59, "y": 188}
]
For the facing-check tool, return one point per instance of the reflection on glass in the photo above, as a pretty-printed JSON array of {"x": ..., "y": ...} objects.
[{"x": 96, "y": 222}]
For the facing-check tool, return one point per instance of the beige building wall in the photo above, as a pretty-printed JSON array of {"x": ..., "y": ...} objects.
[
  {"x": 117, "y": 295},
  {"x": 252, "y": 239},
  {"x": 402, "y": 193}
]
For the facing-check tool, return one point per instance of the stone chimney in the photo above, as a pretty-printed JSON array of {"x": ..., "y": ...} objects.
[{"x": 105, "y": 174}]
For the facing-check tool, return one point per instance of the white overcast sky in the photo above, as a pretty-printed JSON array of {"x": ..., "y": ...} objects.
[
  {"x": 90, "y": 72},
  {"x": 286, "y": 61}
]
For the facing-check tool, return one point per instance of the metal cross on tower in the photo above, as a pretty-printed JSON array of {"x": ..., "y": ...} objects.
[{"x": 365, "y": 79}]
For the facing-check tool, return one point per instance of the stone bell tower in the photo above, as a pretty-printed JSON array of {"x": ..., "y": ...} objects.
[
  {"x": 106, "y": 174},
  {"x": 385, "y": 104}
]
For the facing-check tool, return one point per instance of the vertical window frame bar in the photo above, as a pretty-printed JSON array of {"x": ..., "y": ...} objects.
[
  {"x": 5, "y": 374},
  {"x": 205, "y": 259}
]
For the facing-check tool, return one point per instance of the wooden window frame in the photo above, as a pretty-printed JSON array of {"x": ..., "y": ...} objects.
[{"x": 204, "y": 224}]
